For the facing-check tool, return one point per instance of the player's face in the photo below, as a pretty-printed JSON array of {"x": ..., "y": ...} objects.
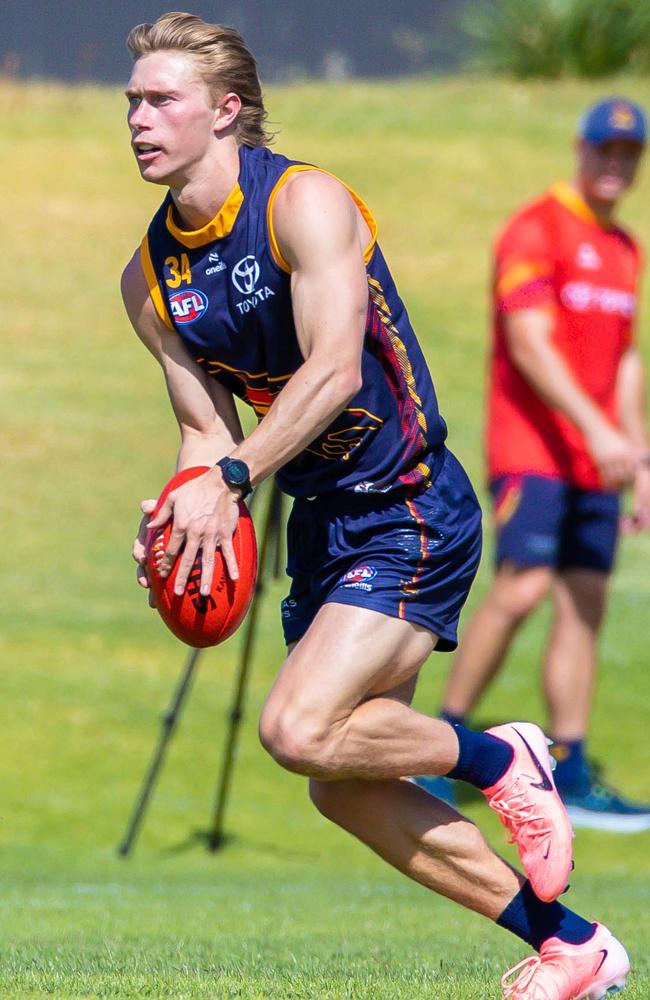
[
  {"x": 607, "y": 171},
  {"x": 170, "y": 115}
]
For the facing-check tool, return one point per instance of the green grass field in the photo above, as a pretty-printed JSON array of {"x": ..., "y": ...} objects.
[{"x": 292, "y": 908}]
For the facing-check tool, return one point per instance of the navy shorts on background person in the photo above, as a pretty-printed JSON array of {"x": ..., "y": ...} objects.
[
  {"x": 541, "y": 521},
  {"x": 411, "y": 557}
]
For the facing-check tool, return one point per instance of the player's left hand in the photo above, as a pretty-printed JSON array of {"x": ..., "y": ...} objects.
[
  {"x": 205, "y": 513},
  {"x": 639, "y": 517}
]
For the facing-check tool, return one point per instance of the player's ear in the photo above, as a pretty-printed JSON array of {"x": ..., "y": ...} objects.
[{"x": 226, "y": 111}]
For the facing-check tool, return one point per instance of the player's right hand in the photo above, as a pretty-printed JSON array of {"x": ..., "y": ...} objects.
[
  {"x": 139, "y": 552},
  {"x": 617, "y": 458},
  {"x": 638, "y": 518}
]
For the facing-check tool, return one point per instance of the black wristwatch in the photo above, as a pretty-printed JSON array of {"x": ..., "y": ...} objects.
[{"x": 236, "y": 474}]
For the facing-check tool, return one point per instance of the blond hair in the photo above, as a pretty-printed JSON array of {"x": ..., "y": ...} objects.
[{"x": 224, "y": 62}]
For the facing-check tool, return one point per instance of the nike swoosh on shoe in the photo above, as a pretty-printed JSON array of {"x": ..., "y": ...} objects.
[
  {"x": 604, "y": 953},
  {"x": 545, "y": 784}
]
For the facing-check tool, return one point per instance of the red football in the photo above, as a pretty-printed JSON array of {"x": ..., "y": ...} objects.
[{"x": 197, "y": 619}]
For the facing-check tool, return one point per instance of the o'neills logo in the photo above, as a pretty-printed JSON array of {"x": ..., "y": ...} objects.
[{"x": 215, "y": 263}]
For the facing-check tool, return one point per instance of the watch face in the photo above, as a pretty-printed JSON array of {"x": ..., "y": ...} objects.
[{"x": 237, "y": 472}]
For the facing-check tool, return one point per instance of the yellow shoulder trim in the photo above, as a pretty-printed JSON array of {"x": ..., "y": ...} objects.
[
  {"x": 567, "y": 195},
  {"x": 216, "y": 229},
  {"x": 152, "y": 282},
  {"x": 521, "y": 273},
  {"x": 361, "y": 205}
]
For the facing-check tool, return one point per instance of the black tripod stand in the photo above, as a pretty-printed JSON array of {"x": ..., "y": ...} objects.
[{"x": 269, "y": 533}]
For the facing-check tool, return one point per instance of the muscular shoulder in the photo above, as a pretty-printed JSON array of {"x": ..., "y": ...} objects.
[
  {"x": 313, "y": 186},
  {"x": 312, "y": 205}
]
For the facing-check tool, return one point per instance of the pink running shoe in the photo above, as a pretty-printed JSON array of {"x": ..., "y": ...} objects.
[
  {"x": 528, "y": 805},
  {"x": 563, "y": 971}
]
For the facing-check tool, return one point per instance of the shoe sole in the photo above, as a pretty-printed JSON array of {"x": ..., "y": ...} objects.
[
  {"x": 609, "y": 992},
  {"x": 587, "y": 819}
]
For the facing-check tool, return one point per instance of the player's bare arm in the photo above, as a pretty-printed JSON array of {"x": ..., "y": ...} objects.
[
  {"x": 632, "y": 415},
  {"x": 529, "y": 338},
  {"x": 205, "y": 411},
  {"x": 320, "y": 235}
]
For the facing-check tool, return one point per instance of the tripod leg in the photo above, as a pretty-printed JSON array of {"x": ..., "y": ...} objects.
[
  {"x": 169, "y": 721},
  {"x": 276, "y": 531},
  {"x": 236, "y": 711}
]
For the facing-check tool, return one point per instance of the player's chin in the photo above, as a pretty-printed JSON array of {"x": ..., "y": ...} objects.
[
  {"x": 154, "y": 171},
  {"x": 611, "y": 188}
]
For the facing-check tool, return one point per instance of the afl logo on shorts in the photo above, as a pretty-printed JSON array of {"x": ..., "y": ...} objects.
[
  {"x": 359, "y": 578},
  {"x": 188, "y": 306}
]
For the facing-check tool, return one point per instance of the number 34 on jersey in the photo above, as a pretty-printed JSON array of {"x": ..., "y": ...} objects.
[{"x": 179, "y": 271}]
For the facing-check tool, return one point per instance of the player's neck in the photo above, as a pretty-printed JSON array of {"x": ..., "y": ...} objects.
[
  {"x": 199, "y": 196},
  {"x": 603, "y": 210}
]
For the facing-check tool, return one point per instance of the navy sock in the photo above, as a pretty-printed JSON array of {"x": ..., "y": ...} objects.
[
  {"x": 452, "y": 718},
  {"x": 535, "y": 922},
  {"x": 570, "y": 757},
  {"x": 482, "y": 758}
]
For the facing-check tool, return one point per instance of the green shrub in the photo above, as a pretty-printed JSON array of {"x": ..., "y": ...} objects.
[
  {"x": 546, "y": 38},
  {"x": 603, "y": 36},
  {"x": 518, "y": 36}
]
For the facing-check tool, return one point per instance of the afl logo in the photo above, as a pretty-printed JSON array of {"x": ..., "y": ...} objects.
[
  {"x": 360, "y": 574},
  {"x": 246, "y": 274},
  {"x": 188, "y": 306}
]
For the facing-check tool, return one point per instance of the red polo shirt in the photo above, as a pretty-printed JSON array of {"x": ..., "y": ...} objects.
[{"x": 555, "y": 255}]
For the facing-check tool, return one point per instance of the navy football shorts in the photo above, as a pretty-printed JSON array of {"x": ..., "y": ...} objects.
[
  {"x": 541, "y": 521},
  {"x": 411, "y": 557}
]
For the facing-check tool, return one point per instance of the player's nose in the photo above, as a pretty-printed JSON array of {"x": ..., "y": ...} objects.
[{"x": 138, "y": 119}]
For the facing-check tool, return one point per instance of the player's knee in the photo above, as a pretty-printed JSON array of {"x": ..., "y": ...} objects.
[
  {"x": 518, "y": 593},
  {"x": 275, "y": 737},
  {"x": 295, "y": 744}
]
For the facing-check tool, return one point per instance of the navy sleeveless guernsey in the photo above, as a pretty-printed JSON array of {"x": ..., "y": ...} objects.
[{"x": 225, "y": 289}]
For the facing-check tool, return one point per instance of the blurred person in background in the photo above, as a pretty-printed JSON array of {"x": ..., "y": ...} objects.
[
  {"x": 566, "y": 433},
  {"x": 261, "y": 277}
]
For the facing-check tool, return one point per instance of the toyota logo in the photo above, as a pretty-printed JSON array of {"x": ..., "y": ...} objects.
[{"x": 245, "y": 274}]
